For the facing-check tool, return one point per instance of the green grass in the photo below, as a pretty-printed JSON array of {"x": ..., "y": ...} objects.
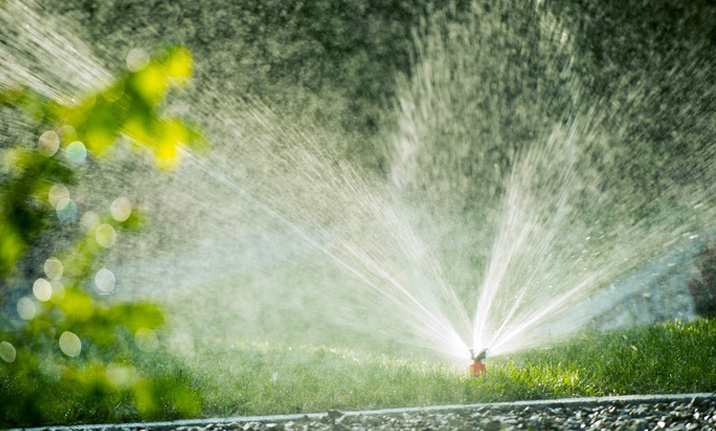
[
  {"x": 672, "y": 357},
  {"x": 267, "y": 379}
]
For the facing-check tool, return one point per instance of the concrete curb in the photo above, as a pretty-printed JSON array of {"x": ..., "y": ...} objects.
[{"x": 508, "y": 405}]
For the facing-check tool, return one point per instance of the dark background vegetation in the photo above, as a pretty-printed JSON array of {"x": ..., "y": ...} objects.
[{"x": 350, "y": 51}]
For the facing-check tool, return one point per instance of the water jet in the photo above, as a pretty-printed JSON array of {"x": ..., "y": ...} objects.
[{"x": 525, "y": 191}]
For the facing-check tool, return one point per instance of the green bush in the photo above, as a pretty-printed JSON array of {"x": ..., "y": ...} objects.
[{"x": 68, "y": 351}]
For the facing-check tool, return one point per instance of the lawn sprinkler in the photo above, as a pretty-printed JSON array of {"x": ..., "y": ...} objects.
[{"x": 478, "y": 366}]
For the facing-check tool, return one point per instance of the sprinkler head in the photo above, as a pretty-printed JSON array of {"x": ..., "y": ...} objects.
[
  {"x": 480, "y": 357},
  {"x": 478, "y": 367}
]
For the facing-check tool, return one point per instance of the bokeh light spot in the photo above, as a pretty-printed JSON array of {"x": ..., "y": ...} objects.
[
  {"x": 58, "y": 290},
  {"x": 66, "y": 211},
  {"x": 90, "y": 220},
  {"x": 76, "y": 153},
  {"x": 137, "y": 59},
  {"x": 70, "y": 344},
  {"x": 49, "y": 143},
  {"x": 120, "y": 376},
  {"x": 7, "y": 352},
  {"x": 104, "y": 280},
  {"x": 146, "y": 340},
  {"x": 50, "y": 369},
  {"x": 42, "y": 289},
  {"x": 67, "y": 133},
  {"x": 26, "y": 308},
  {"x": 105, "y": 235},
  {"x": 53, "y": 268},
  {"x": 121, "y": 209},
  {"x": 57, "y": 193}
]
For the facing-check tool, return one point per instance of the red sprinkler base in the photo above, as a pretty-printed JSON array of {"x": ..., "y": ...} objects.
[{"x": 477, "y": 367}]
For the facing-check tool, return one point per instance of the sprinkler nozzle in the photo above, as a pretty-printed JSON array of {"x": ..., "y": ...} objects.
[{"x": 479, "y": 357}]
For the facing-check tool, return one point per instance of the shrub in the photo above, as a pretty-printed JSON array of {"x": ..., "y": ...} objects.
[{"x": 69, "y": 351}]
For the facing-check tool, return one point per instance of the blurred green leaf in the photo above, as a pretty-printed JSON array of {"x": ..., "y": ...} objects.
[
  {"x": 78, "y": 346},
  {"x": 136, "y": 316},
  {"x": 77, "y": 305}
]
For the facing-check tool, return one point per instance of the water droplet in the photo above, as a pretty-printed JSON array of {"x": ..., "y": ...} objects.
[
  {"x": 66, "y": 211},
  {"x": 105, "y": 235},
  {"x": 50, "y": 369},
  {"x": 70, "y": 344},
  {"x": 53, "y": 268},
  {"x": 104, "y": 280},
  {"x": 42, "y": 289},
  {"x": 146, "y": 340},
  {"x": 137, "y": 59},
  {"x": 7, "y": 352},
  {"x": 564, "y": 38},
  {"x": 57, "y": 193},
  {"x": 76, "y": 153},
  {"x": 121, "y": 209},
  {"x": 26, "y": 308},
  {"x": 49, "y": 143}
]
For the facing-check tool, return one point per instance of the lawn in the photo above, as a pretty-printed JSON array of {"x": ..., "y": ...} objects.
[
  {"x": 670, "y": 357},
  {"x": 263, "y": 378}
]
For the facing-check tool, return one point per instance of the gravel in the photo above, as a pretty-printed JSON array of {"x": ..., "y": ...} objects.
[
  {"x": 629, "y": 413},
  {"x": 697, "y": 414}
]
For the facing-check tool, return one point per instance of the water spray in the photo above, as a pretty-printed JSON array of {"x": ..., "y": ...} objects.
[{"x": 548, "y": 253}]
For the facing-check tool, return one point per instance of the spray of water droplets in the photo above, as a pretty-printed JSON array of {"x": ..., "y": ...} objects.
[{"x": 502, "y": 220}]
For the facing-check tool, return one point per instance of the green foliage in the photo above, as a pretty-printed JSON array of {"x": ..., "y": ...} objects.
[
  {"x": 64, "y": 344},
  {"x": 49, "y": 390},
  {"x": 703, "y": 290}
]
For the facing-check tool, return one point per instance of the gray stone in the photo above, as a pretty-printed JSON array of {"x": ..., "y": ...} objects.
[
  {"x": 334, "y": 414},
  {"x": 493, "y": 425}
]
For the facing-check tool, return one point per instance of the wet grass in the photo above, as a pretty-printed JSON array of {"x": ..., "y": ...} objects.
[
  {"x": 665, "y": 358},
  {"x": 252, "y": 379}
]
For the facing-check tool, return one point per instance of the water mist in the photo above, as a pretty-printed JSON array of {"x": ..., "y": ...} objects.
[{"x": 502, "y": 218}]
